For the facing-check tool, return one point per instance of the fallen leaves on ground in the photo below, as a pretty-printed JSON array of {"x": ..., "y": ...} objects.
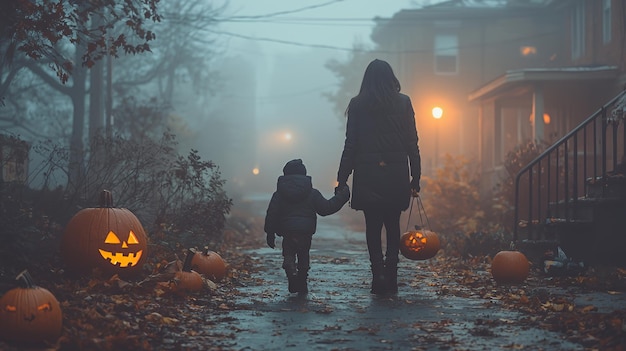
[{"x": 548, "y": 301}]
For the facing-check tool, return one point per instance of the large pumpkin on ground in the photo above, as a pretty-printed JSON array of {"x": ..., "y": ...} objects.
[
  {"x": 108, "y": 238},
  {"x": 30, "y": 314},
  {"x": 509, "y": 267},
  {"x": 419, "y": 244},
  {"x": 210, "y": 264}
]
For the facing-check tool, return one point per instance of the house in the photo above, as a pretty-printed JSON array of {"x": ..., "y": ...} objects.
[{"x": 493, "y": 66}]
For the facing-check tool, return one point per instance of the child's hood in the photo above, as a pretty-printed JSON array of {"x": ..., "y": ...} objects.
[{"x": 294, "y": 187}]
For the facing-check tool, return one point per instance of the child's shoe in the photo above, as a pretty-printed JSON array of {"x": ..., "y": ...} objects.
[{"x": 292, "y": 278}]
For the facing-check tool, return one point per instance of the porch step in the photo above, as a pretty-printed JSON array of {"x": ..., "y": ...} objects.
[{"x": 611, "y": 186}]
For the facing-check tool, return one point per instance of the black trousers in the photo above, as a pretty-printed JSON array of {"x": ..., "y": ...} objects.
[
  {"x": 374, "y": 222},
  {"x": 296, "y": 253}
]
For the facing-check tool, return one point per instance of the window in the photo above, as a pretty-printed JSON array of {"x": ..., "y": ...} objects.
[
  {"x": 578, "y": 30},
  {"x": 446, "y": 54},
  {"x": 606, "y": 21}
]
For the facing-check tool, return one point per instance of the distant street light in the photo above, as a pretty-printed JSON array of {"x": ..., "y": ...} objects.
[
  {"x": 255, "y": 171},
  {"x": 437, "y": 114}
]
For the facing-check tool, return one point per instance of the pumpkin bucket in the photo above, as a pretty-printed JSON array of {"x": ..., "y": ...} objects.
[{"x": 421, "y": 243}]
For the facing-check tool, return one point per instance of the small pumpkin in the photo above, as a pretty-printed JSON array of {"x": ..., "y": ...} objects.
[
  {"x": 30, "y": 314},
  {"x": 108, "y": 238},
  {"x": 210, "y": 264},
  {"x": 510, "y": 267},
  {"x": 419, "y": 244},
  {"x": 188, "y": 280}
]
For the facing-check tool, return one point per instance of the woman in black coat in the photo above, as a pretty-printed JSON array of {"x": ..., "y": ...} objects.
[{"x": 381, "y": 151}]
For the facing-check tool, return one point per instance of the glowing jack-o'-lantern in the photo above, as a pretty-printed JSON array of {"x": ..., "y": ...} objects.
[
  {"x": 510, "y": 267},
  {"x": 108, "y": 238},
  {"x": 210, "y": 264},
  {"x": 29, "y": 314},
  {"x": 419, "y": 244}
]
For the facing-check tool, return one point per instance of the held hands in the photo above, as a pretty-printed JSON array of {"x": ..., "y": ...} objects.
[
  {"x": 342, "y": 187},
  {"x": 271, "y": 240}
]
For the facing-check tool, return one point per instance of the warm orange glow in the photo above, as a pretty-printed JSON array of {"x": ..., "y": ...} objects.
[
  {"x": 528, "y": 50},
  {"x": 287, "y": 136},
  {"x": 546, "y": 118},
  {"x": 255, "y": 171},
  {"x": 437, "y": 112}
]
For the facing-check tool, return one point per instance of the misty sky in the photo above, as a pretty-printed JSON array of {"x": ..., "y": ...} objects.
[
  {"x": 320, "y": 22},
  {"x": 288, "y": 53}
]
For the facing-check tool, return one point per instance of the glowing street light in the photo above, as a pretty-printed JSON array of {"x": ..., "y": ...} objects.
[
  {"x": 437, "y": 114},
  {"x": 255, "y": 171},
  {"x": 287, "y": 136}
]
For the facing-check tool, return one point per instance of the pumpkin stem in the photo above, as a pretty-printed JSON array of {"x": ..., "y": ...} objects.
[
  {"x": 106, "y": 199},
  {"x": 188, "y": 258},
  {"x": 206, "y": 251},
  {"x": 26, "y": 279}
]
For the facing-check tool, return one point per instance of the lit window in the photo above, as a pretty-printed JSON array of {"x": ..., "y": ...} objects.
[{"x": 446, "y": 54}]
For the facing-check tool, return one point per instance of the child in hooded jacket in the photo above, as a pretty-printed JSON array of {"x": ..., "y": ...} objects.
[{"x": 292, "y": 214}]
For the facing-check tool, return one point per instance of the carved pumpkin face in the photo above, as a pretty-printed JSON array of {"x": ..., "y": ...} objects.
[
  {"x": 419, "y": 244},
  {"x": 30, "y": 314},
  {"x": 121, "y": 252},
  {"x": 111, "y": 239}
]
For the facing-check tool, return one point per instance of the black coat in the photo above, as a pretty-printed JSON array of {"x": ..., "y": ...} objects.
[
  {"x": 295, "y": 205},
  {"x": 380, "y": 143}
]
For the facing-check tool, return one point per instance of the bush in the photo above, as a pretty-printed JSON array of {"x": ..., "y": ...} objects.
[
  {"x": 180, "y": 200},
  {"x": 455, "y": 211}
]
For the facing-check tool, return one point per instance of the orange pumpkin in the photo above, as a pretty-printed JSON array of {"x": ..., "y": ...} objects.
[
  {"x": 210, "y": 264},
  {"x": 108, "y": 238},
  {"x": 187, "y": 280},
  {"x": 30, "y": 314},
  {"x": 419, "y": 244},
  {"x": 509, "y": 267}
]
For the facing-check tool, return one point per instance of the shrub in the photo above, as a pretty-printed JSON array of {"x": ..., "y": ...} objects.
[{"x": 180, "y": 200}]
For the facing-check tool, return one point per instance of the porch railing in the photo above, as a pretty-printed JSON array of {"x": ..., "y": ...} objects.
[{"x": 552, "y": 186}]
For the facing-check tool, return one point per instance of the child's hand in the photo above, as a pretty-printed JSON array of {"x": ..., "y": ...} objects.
[{"x": 271, "y": 240}]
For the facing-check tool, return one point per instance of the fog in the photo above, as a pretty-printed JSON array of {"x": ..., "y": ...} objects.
[{"x": 274, "y": 75}]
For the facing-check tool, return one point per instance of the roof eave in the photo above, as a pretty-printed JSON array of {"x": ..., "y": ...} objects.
[{"x": 515, "y": 77}]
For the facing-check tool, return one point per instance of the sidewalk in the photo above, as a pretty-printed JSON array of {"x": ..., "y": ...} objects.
[{"x": 430, "y": 312}]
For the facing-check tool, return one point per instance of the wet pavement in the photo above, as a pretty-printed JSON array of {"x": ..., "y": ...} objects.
[{"x": 339, "y": 313}]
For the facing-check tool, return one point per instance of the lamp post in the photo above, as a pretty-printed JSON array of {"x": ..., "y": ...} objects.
[{"x": 437, "y": 114}]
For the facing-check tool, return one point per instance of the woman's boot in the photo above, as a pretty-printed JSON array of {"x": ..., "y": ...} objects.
[
  {"x": 391, "y": 276},
  {"x": 378, "y": 279}
]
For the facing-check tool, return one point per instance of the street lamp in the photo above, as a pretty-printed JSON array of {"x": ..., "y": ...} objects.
[{"x": 437, "y": 114}]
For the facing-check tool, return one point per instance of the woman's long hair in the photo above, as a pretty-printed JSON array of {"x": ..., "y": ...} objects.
[{"x": 379, "y": 86}]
